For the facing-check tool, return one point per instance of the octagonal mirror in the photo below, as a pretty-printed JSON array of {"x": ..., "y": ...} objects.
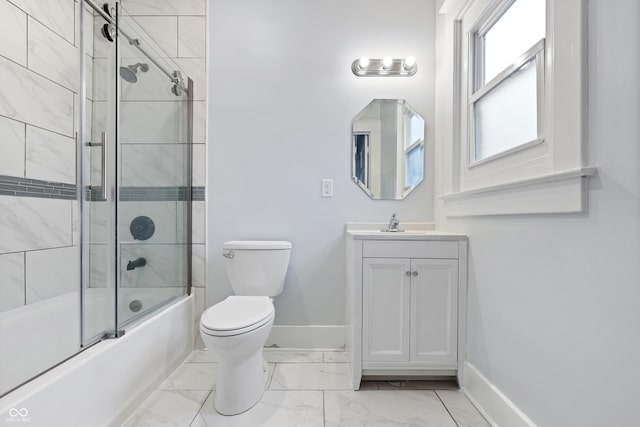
[{"x": 387, "y": 149}]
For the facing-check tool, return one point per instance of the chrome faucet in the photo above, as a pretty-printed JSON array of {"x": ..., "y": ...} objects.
[{"x": 394, "y": 222}]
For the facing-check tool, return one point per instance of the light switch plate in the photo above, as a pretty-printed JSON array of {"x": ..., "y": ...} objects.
[{"x": 327, "y": 188}]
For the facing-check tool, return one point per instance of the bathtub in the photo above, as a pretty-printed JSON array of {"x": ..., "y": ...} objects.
[{"x": 103, "y": 384}]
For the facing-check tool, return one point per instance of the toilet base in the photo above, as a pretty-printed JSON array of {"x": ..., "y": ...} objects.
[{"x": 240, "y": 384}]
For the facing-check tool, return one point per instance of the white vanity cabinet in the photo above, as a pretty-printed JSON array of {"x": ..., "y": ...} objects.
[{"x": 406, "y": 302}]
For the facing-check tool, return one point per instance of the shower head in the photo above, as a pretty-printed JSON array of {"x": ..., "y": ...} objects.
[{"x": 129, "y": 73}]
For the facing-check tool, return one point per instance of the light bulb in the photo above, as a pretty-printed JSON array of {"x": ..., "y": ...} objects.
[
  {"x": 386, "y": 62},
  {"x": 363, "y": 63},
  {"x": 409, "y": 62}
]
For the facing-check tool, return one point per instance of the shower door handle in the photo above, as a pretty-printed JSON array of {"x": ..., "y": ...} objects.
[{"x": 103, "y": 165}]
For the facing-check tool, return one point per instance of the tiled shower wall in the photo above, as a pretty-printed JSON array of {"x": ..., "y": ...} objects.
[{"x": 38, "y": 103}]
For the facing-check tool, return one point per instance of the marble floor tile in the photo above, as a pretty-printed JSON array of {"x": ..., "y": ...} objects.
[
  {"x": 303, "y": 393},
  {"x": 286, "y": 356},
  {"x": 335, "y": 357},
  {"x": 168, "y": 408},
  {"x": 461, "y": 409},
  {"x": 192, "y": 376},
  {"x": 272, "y": 368},
  {"x": 202, "y": 356},
  {"x": 199, "y": 375},
  {"x": 310, "y": 376},
  {"x": 405, "y": 408},
  {"x": 275, "y": 409}
]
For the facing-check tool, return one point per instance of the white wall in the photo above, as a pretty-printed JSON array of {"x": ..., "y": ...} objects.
[
  {"x": 553, "y": 300},
  {"x": 282, "y": 97}
]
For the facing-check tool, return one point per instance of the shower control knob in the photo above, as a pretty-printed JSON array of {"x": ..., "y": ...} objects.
[{"x": 142, "y": 228}]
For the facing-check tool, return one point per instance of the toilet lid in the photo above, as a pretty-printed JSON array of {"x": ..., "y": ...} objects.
[{"x": 237, "y": 312}]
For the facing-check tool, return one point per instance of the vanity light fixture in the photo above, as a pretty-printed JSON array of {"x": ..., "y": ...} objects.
[{"x": 365, "y": 67}]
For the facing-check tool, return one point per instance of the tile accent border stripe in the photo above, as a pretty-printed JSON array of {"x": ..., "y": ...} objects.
[
  {"x": 26, "y": 187},
  {"x": 154, "y": 194}
]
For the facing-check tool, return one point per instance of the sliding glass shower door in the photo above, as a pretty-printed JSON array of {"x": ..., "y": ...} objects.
[
  {"x": 98, "y": 203},
  {"x": 136, "y": 208},
  {"x": 95, "y": 173}
]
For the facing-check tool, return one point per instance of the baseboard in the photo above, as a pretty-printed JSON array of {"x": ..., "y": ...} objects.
[
  {"x": 491, "y": 402},
  {"x": 307, "y": 336}
]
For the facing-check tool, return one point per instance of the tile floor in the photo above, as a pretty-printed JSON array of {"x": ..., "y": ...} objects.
[{"x": 305, "y": 388}]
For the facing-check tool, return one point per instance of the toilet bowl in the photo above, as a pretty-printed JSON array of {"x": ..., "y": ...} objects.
[{"x": 237, "y": 328}]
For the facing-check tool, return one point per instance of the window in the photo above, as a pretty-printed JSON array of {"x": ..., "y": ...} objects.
[
  {"x": 518, "y": 107},
  {"x": 361, "y": 158},
  {"x": 413, "y": 150},
  {"x": 506, "y": 79}
]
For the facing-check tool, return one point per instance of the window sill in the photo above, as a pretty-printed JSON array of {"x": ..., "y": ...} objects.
[{"x": 561, "y": 192}]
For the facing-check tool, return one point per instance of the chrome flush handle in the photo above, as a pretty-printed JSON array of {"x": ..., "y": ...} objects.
[{"x": 228, "y": 254}]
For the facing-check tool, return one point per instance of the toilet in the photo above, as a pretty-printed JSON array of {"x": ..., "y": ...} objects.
[{"x": 237, "y": 328}]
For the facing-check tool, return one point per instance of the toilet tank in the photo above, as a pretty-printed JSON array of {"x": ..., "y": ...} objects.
[{"x": 256, "y": 268}]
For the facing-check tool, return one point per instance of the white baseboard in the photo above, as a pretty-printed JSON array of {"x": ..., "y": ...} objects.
[
  {"x": 306, "y": 336},
  {"x": 491, "y": 402}
]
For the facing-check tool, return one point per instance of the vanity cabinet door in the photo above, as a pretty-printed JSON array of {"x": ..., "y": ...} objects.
[
  {"x": 434, "y": 310},
  {"x": 386, "y": 289}
]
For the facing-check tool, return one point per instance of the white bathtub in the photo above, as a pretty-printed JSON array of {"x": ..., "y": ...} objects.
[
  {"x": 40, "y": 335},
  {"x": 101, "y": 385}
]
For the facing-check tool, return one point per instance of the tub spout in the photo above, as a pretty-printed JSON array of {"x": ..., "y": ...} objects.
[{"x": 140, "y": 262}]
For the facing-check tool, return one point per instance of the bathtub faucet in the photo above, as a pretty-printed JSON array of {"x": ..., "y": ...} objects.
[{"x": 140, "y": 262}]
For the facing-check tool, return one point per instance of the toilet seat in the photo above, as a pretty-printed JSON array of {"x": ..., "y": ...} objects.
[{"x": 237, "y": 315}]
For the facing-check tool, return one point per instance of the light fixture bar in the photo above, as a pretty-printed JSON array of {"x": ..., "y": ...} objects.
[{"x": 369, "y": 67}]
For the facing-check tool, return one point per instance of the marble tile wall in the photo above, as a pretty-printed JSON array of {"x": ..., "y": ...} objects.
[
  {"x": 38, "y": 103},
  {"x": 38, "y": 121}
]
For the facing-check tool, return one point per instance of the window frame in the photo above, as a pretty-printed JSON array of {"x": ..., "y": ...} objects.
[{"x": 546, "y": 176}]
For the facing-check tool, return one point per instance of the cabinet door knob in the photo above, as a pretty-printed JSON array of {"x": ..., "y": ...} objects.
[
  {"x": 408, "y": 273},
  {"x": 415, "y": 273}
]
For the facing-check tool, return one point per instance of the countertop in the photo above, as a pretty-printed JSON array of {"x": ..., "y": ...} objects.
[{"x": 413, "y": 231}]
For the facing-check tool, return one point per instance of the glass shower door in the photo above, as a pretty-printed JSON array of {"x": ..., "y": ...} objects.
[
  {"x": 136, "y": 175},
  {"x": 98, "y": 178},
  {"x": 154, "y": 176}
]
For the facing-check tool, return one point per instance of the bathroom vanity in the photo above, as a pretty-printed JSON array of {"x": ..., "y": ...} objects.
[{"x": 405, "y": 303}]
